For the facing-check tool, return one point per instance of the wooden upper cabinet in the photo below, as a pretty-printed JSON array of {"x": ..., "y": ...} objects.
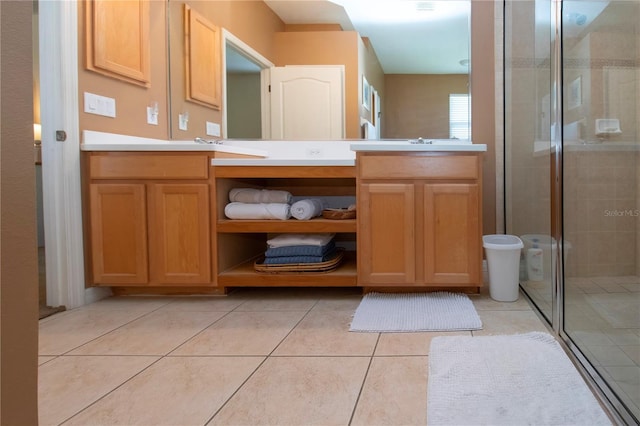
[
  {"x": 203, "y": 69},
  {"x": 117, "y": 39}
]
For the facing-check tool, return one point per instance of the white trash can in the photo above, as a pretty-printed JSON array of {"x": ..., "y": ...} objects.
[{"x": 503, "y": 261}]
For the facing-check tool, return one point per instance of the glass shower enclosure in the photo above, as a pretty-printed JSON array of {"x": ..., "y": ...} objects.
[{"x": 572, "y": 179}]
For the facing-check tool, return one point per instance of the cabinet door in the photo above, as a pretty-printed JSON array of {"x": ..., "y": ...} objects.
[
  {"x": 117, "y": 39},
  {"x": 118, "y": 233},
  {"x": 203, "y": 60},
  {"x": 179, "y": 233},
  {"x": 452, "y": 241},
  {"x": 386, "y": 234}
]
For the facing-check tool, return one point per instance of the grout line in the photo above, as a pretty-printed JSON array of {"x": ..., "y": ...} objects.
[{"x": 364, "y": 380}]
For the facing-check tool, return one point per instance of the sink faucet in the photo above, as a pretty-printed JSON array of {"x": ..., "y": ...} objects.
[
  {"x": 208, "y": 141},
  {"x": 420, "y": 141}
]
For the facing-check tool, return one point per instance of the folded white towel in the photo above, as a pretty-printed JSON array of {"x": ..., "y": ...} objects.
[
  {"x": 252, "y": 195},
  {"x": 284, "y": 240},
  {"x": 258, "y": 211},
  {"x": 307, "y": 209}
]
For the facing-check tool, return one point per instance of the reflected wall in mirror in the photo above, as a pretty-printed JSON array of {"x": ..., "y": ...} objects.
[{"x": 412, "y": 63}]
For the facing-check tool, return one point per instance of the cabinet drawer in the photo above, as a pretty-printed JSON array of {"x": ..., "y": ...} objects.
[
  {"x": 140, "y": 166},
  {"x": 418, "y": 166}
]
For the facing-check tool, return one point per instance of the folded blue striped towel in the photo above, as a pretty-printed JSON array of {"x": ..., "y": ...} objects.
[
  {"x": 300, "y": 250},
  {"x": 287, "y": 260}
]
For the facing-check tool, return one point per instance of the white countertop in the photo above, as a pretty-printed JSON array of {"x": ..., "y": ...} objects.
[
  {"x": 427, "y": 145},
  {"x": 275, "y": 152},
  {"x": 99, "y": 141}
]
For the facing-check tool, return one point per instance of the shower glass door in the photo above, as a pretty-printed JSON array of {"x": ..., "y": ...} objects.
[
  {"x": 529, "y": 141},
  {"x": 601, "y": 175}
]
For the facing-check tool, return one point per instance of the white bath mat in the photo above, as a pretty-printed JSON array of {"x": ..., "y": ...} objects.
[
  {"x": 406, "y": 312},
  {"x": 523, "y": 379}
]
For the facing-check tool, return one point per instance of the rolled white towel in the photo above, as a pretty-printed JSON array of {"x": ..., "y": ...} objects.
[
  {"x": 284, "y": 240},
  {"x": 252, "y": 195},
  {"x": 258, "y": 211},
  {"x": 307, "y": 209}
]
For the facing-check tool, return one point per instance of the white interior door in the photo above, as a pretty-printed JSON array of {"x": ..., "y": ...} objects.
[{"x": 307, "y": 102}]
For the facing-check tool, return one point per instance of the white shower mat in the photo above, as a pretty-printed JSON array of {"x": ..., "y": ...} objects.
[
  {"x": 522, "y": 379},
  {"x": 407, "y": 312}
]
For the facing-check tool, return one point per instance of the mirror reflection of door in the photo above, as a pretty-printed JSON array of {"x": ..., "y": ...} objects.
[{"x": 307, "y": 102}]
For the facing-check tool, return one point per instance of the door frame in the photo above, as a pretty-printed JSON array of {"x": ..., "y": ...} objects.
[{"x": 62, "y": 199}]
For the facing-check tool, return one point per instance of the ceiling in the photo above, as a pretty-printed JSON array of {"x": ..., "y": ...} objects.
[{"x": 408, "y": 36}]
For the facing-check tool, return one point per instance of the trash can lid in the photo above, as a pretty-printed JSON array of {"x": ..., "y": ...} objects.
[{"x": 502, "y": 242}]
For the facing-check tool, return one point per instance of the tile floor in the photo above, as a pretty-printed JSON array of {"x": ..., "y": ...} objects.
[{"x": 256, "y": 356}]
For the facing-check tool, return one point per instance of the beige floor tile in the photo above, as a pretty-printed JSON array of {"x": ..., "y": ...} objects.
[
  {"x": 243, "y": 333},
  {"x": 297, "y": 391},
  {"x": 157, "y": 333},
  {"x": 203, "y": 303},
  {"x": 394, "y": 392},
  {"x": 68, "y": 384},
  {"x": 80, "y": 326},
  {"x": 278, "y": 303},
  {"x": 633, "y": 352},
  {"x": 410, "y": 343},
  {"x": 138, "y": 303},
  {"x": 45, "y": 359},
  {"x": 508, "y": 322},
  {"x": 484, "y": 302},
  {"x": 327, "y": 333},
  {"x": 339, "y": 303},
  {"x": 174, "y": 391}
]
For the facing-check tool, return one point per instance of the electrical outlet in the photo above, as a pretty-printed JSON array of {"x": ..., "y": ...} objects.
[
  {"x": 314, "y": 152},
  {"x": 183, "y": 119},
  {"x": 213, "y": 129},
  {"x": 152, "y": 116}
]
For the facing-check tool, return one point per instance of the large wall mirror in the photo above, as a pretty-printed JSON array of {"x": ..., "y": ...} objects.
[{"x": 402, "y": 69}]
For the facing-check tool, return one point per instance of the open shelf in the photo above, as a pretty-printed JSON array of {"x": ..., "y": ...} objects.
[
  {"x": 245, "y": 275},
  {"x": 318, "y": 225}
]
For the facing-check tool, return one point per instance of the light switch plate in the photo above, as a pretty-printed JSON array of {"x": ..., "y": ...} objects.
[
  {"x": 99, "y": 105},
  {"x": 213, "y": 129}
]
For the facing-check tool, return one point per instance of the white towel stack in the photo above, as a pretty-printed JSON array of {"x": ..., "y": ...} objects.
[
  {"x": 251, "y": 203},
  {"x": 254, "y": 196}
]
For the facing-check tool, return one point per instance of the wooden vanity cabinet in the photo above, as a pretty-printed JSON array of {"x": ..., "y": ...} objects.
[
  {"x": 148, "y": 219},
  {"x": 419, "y": 219}
]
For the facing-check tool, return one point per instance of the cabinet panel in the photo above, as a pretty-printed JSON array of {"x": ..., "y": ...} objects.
[
  {"x": 419, "y": 167},
  {"x": 112, "y": 51},
  {"x": 119, "y": 233},
  {"x": 453, "y": 237},
  {"x": 179, "y": 230},
  {"x": 148, "y": 166},
  {"x": 386, "y": 233}
]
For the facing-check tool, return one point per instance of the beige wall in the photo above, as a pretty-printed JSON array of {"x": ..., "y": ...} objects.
[
  {"x": 18, "y": 262},
  {"x": 418, "y": 105}
]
